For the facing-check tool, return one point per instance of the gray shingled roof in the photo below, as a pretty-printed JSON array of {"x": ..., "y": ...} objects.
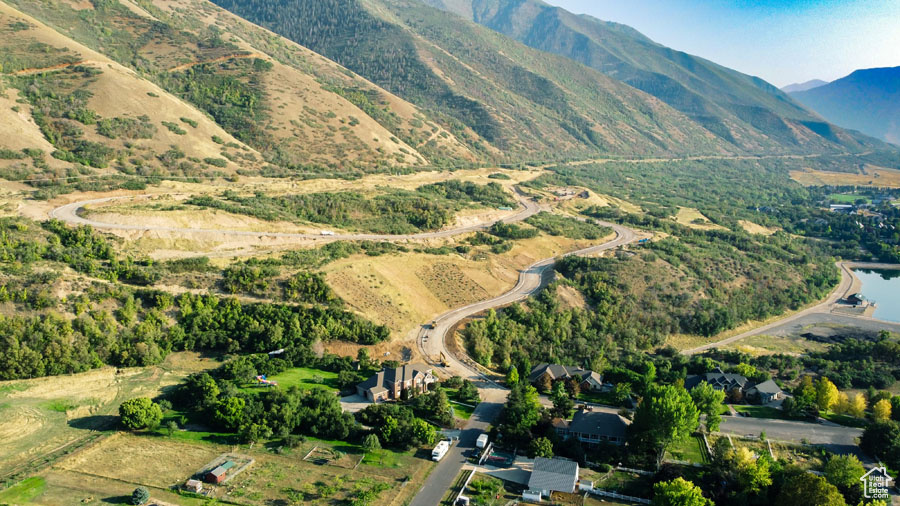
[
  {"x": 554, "y": 474},
  {"x": 768, "y": 387},
  {"x": 382, "y": 379},
  {"x": 598, "y": 422},
  {"x": 558, "y": 371},
  {"x": 724, "y": 381}
]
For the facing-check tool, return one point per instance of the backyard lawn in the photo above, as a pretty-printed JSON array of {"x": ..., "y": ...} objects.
[
  {"x": 462, "y": 411},
  {"x": 759, "y": 411},
  {"x": 302, "y": 377},
  {"x": 690, "y": 450}
]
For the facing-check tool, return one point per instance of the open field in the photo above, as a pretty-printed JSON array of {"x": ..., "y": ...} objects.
[
  {"x": 112, "y": 469},
  {"x": 871, "y": 176},
  {"x": 753, "y": 228},
  {"x": 40, "y": 416},
  {"x": 768, "y": 345}
]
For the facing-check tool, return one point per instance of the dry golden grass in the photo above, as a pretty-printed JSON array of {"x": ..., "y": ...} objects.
[
  {"x": 871, "y": 176},
  {"x": 693, "y": 218},
  {"x": 753, "y": 228}
]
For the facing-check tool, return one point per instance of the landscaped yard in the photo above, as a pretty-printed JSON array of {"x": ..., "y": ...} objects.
[
  {"x": 690, "y": 450},
  {"x": 846, "y": 420},
  {"x": 301, "y": 377},
  {"x": 759, "y": 411},
  {"x": 489, "y": 491},
  {"x": 626, "y": 483},
  {"x": 462, "y": 411},
  {"x": 806, "y": 457}
]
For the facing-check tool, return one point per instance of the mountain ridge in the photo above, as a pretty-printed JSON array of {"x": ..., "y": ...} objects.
[{"x": 804, "y": 86}]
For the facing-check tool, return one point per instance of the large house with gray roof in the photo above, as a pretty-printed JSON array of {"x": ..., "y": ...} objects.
[
  {"x": 719, "y": 380},
  {"x": 593, "y": 427},
  {"x": 587, "y": 379},
  {"x": 390, "y": 383}
]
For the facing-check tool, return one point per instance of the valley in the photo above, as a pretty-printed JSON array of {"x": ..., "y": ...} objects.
[{"x": 268, "y": 253}]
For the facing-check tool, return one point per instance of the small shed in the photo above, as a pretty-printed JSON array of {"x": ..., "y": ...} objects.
[
  {"x": 531, "y": 495},
  {"x": 195, "y": 486},
  {"x": 218, "y": 474}
]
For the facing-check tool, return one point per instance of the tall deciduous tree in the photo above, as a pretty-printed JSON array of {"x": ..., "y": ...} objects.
[
  {"x": 809, "y": 490},
  {"x": 140, "y": 413},
  {"x": 826, "y": 394},
  {"x": 512, "y": 376},
  {"x": 666, "y": 414},
  {"x": 881, "y": 411},
  {"x": 562, "y": 403},
  {"x": 709, "y": 401},
  {"x": 520, "y": 415},
  {"x": 858, "y": 405}
]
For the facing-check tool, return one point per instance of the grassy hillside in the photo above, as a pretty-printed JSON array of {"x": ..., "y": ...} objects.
[
  {"x": 189, "y": 91},
  {"x": 502, "y": 98},
  {"x": 866, "y": 100},
  {"x": 743, "y": 110}
]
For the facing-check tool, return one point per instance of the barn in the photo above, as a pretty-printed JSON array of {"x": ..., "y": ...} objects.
[{"x": 218, "y": 474}]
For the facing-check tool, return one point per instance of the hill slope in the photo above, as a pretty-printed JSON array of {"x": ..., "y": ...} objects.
[
  {"x": 740, "y": 109},
  {"x": 276, "y": 106},
  {"x": 509, "y": 100},
  {"x": 807, "y": 85},
  {"x": 866, "y": 100}
]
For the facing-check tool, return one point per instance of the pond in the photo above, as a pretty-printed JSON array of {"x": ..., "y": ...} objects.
[{"x": 882, "y": 287}]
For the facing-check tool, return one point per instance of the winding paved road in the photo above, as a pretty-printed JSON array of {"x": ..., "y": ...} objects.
[
  {"x": 70, "y": 213},
  {"x": 432, "y": 342}
]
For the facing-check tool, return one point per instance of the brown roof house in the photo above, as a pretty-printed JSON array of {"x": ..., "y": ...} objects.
[{"x": 390, "y": 383}]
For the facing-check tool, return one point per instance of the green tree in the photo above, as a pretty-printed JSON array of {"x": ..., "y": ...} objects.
[
  {"x": 520, "y": 414},
  {"x": 171, "y": 427},
  {"x": 844, "y": 472},
  {"x": 140, "y": 496},
  {"x": 752, "y": 473},
  {"x": 678, "y": 492},
  {"x": 512, "y": 376},
  {"x": 230, "y": 413},
  {"x": 709, "y": 401},
  {"x": 665, "y": 415},
  {"x": 826, "y": 394},
  {"x": 809, "y": 490},
  {"x": 540, "y": 447},
  {"x": 562, "y": 403},
  {"x": 423, "y": 432},
  {"x": 371, "y": 443},
  {"x": 140, "y": 413}
]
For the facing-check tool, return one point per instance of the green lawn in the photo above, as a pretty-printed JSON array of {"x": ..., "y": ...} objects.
[
  {"x": 847, "y": 198},
  {"x": 690, "y": 450},
  {"x": 845, "y": 420},
  {"x": 626, "y": 483},
  {"x": 302, "y": 377},
  {"x": 461, "y": 411},
  {"x": 23, "y": 492},
  {"x": 759, "y": 411},
  {"x": 607, "y": 398}
]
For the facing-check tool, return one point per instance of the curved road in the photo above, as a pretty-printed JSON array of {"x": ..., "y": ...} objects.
[
  {"x": 844, "y": 288},
  {"x": 69, "y": 213},
  {"x": 432, "y": 342}
]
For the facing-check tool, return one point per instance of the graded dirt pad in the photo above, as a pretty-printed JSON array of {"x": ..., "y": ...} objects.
[
  {"x": 41, "y": 415},
  {"x": 450, "y": 284},
  {"x": 870, "y": 176},
  {"x": 151, "y": 461}
]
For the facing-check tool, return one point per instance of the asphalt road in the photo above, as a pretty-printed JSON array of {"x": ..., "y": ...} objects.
[
  {"x": 820, "y": 313},
  {"x": 70, "y": 213},
  {"x": 432, "y": 343},
  {"x": 785, "y": 430}
]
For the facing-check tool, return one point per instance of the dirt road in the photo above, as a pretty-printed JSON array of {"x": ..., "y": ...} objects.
[{"x": 70, "y": 213}]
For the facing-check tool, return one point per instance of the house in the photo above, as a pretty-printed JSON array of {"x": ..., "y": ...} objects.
[
  {"x": 587, "y": 380},
  {"x": 719, "y": 380},
  {"x": 593, "y": 427},
  {"x": 218, "y": 474},
  {"x": 390, "y": 383},
  {"x": 857, "y": 299},
  {"x": 767, "y": 391},
  {"x": 553, "y": 475},
  {"x": 195, "y": 486},
  {"x": 841, "y": 208}
]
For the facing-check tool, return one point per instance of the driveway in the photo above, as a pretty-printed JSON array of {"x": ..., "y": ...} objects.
[{"x": 354, "y": 403}]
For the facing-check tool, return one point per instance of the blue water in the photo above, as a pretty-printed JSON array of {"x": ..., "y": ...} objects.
[{"x": 882, "y": 287}]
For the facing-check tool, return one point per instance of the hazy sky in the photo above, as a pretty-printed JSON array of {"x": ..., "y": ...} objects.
[{"x": 782, "y": 41}]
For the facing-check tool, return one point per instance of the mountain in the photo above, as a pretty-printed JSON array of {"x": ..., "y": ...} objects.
[
  {"x": 147, "y": 89},
  {"x": 742, "y": 110},
  {"x": 866, "y": 100},
  {"x": 808, "y": 85}
]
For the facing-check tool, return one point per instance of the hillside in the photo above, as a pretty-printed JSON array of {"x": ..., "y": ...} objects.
[
  {"x": 807, "y": 85},
  {"x": 509, "y": 101},
  {"x": 190, "y": 90},
  {"x": 744, "y": 111},
  {"x": 866, "y": 100}
]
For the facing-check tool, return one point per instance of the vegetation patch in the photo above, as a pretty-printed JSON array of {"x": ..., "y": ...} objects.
[{"x": 565, "y": 226}]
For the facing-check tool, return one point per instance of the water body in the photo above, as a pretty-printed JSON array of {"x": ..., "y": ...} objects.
[{"x": 882, "y": 287}]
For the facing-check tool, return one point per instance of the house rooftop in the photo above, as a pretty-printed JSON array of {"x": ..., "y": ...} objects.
[
  {"x": 598, "y": 422},
  {"x": 768, "y": 387},
  {"x": 553, "y": 474}
]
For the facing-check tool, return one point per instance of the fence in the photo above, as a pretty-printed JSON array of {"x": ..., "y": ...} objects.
[{"x": 613, "y": 495}]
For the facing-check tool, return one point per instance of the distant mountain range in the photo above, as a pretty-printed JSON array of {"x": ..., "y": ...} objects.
[
  {"x": 808, "y": 85},
  {"x": 866, "y": 100}
]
